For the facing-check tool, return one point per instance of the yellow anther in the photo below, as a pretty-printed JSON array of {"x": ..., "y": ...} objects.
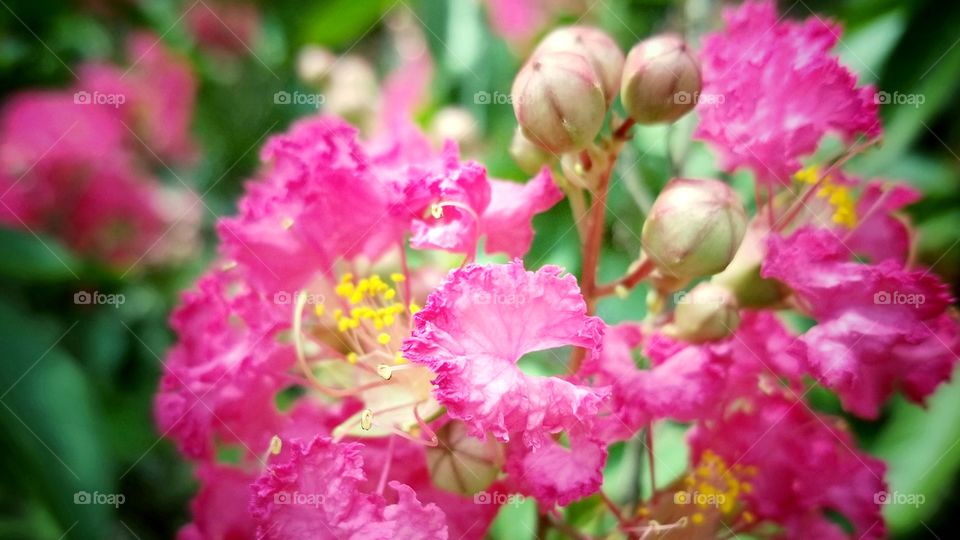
[
  {"x": 397, "y": 278},
  {"x": 398, "y": 358},
  {"x": 287, "y": 223},
  {"x": 337, "y": 313},
  {"x": 808, "y": 175},
  {"x": 414, "y": 308},
  {"x": 384, "y": 372},
  {"x": 229, "y": 265},
  {"x": 319, "y": 309},
  {"x": 389, "y": 294},
  {"x": 749, "y": 517},
  {"x": 352, "y": 357},
  {"x": 275, "y": 445},
  {"x": 383, "y": 338},
  {"x": 697, "y": 518},
  {"x": 366, "y": 419},
  {"x": 436, "y": 211}
]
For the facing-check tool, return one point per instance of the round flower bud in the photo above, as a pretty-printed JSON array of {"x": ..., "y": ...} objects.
[
  {"x": 600, "y": 50},
  {"x": 455, "y": 124},
  {"x": 661, "y": 80},
  {"x": 314, "y": 64},
  {"x": 694, "y": 228},
  {"x": 558, "y": 100},
  {"x": 461, "y": 463},
  {"x": 352, "y": 88},
  {"x": 528, "y": 156},
  {"x": 707, "y": 313}
]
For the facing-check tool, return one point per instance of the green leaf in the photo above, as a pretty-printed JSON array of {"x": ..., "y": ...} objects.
[
  {"x": 28, "y": 257},
  {"x": 922, "y": 450},
  {"x": 50, "y": 434}
]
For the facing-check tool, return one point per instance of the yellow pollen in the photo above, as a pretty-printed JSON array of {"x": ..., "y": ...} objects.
[
  {"x": 319, "y": 309},
  {"x": 398, "y": 358},
  {"x": 697, "y": 518},
  {"x": 383, "y": 338},
  {"x": 275, "y": 445},
  {"x": 749, "y": 517},
  {"x": 397, "y": 278},
  {"x": 414, "y": 308},
  {"x": 352, "y": 357},
  {"x": 838, "y": 196},
  {"x": 436, "y": 211}
]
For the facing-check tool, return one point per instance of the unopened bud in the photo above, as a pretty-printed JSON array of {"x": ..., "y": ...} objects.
[
  {"x": 707, "y": 313},
  {"x": 314, "y": 64},
  {"x": 455, "y": 124},
  {"x": 352, "y": 88},
  {"x": 694, "y": 228},
  {"x": 596, "y": 46},
  {"x": 661, "y": 80},
  {"x": 461, "y": 463},
  {"x": 558, "y": 100},
  {"x": 528, "y": 156}
]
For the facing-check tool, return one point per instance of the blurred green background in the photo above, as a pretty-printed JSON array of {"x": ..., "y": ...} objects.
[{"x": 77, "y": 381}]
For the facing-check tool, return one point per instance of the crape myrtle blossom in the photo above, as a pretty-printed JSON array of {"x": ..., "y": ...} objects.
[
  {"x": 369, "y": 376},
  {"x": 77, "y": 163},
  {"x": 782, "y": 91},
  {"x": 315, "y": 290}
]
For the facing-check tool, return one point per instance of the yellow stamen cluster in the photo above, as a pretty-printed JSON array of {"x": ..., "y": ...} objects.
[
  {"x": 838, "y": 196},
  {"x": 374, "y": 301},
  {"x": 715, "y": 485}
]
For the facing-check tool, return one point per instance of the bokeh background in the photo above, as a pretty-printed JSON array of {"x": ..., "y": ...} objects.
[{"x": 77, "y": 380}]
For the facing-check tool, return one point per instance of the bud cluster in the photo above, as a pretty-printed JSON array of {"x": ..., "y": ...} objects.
[{"x": 562, "y": 94}]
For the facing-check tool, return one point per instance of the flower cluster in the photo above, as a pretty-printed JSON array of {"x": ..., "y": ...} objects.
[
  {"x": 339, "y": 375},
  {"x": 77, "y": 163}
]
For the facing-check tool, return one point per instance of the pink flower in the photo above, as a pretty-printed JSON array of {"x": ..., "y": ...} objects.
[
  {"x": 477, "y": 325},
  {"x": 519, "y": 20},
  {"x": 220, "y": 508},
  {"x": 880, "y": 327},
  {"x": 314, "y": 490},
  {"x": 154, "y": 98},
  {"x": 508, "y": 220},
  {"x": 781, "y": 90},
  {"x": 880, "y": 234},
  {"x": 224, "y": 27},
  {"x": 555, "y": 474},
  {"x": 797, "y": 465},
  {"x": 223, "y": 374}
]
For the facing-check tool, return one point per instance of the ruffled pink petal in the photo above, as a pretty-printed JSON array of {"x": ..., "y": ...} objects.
[
  {"x": 313, "y": 491},
  {"x": 880, "y": 234},
  {"x": 784, "y": 440},
  {"x": 555, "y": 474},
  {"x": 778, "y": 90},
  {"x": 477, "y": 325},
  {"x": 220, "y": 507},
  {"x": 508, "y": 221},
  {"x": 879, "y": 326}
]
